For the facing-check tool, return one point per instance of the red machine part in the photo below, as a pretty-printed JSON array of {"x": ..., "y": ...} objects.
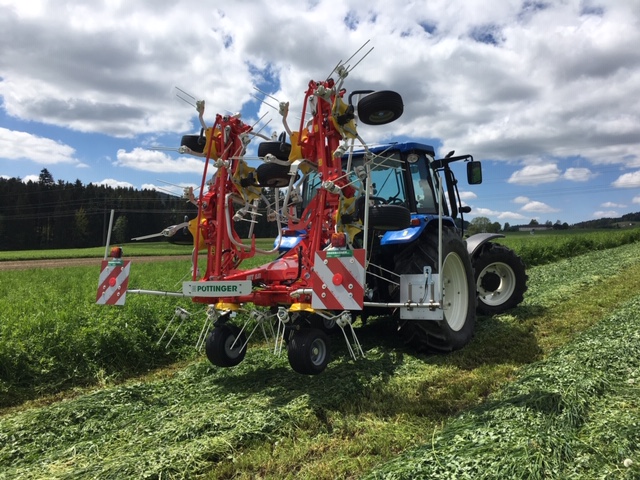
[{"x": 276, "y": 280}]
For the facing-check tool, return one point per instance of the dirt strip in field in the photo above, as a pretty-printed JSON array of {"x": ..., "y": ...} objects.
[{"x": 80, "y": 262}]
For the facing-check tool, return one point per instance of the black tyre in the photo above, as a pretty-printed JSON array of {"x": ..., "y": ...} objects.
[
  {"x": 309, "y": 351},
  {"x": 193, "y": 142},
  {"x": 379, "y": 108},
  {"x": 226, "y": 346},
  {"x": 279, "y": 150},
  {"x": 273, "y": 175},
  {"x": 389, "y": 217},
  {"x": 501, "y": 279},
  {"x": 456, "y": 330}
]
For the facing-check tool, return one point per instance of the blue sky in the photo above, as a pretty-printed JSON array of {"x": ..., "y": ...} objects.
[{"x": 545, "y": 93}]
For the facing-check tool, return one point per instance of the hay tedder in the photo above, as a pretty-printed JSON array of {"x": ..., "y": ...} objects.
[{"x": 364, "y": 230}]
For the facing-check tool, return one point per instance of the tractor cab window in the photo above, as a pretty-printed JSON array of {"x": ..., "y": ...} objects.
[
  {"x": 424, "y": 186},
  {"x": 387, "y": 180}
]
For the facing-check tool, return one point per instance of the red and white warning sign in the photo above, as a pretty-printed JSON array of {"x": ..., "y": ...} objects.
[
  {"x": 113, "y": 283},
  {"x": 337, "y": 280}
]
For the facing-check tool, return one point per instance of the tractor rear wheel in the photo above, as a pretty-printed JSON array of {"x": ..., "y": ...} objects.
[
  {"x": 226, "y": 346},
  {"x": 459, "y": 296},
  {"x": 501, "y": 279}
]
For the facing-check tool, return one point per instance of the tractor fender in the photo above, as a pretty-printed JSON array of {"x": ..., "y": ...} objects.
[{"x": 474, "y": 242}]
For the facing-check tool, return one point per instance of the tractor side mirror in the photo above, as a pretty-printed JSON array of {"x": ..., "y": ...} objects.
[{"x": 474, "y": 173}]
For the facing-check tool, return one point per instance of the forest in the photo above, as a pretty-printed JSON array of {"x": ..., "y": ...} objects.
[{"x": 57, "y": 214}]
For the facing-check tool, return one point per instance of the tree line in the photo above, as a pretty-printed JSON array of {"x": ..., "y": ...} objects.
[{"x": 57, "y": 214}]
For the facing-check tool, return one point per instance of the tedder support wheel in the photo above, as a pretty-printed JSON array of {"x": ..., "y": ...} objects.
[
  {"x": 279, "y": 150},
  {"x": 193, "y": 142},
  {"x": 379, "y": 108},
  {"x": 459, "y": 296},
  {"x": 389, "y": 217},
  {"x": 501, "y": 279},
  {"x": 226, "y": 346},
  {"x": 309, "y": 351},
  {"x": 273, "y": 175}
]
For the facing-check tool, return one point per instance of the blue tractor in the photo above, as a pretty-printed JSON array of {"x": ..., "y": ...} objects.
[{"x": 406, "y": 213}]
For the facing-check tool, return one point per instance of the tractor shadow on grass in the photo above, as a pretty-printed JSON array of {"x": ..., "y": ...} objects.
[
  {"x": 344, "y": 380},
  {"x": 364, "y": 385}
]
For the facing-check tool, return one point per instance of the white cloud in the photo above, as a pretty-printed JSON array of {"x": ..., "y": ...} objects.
[
  {"x": 613, "y": 205},
  {"x": 31, "y": 178},
  {"x": 538, "y": 207},
  {"x": 636, "y": 199},
  {"x": 521, "y": 200},
  {"x": 155, "y": 161},
  {"x": 494, "y": 214},
  {"x": 536, "y": 174},
  {"x": 484, "y": 212},
  {"x": 110, "y": 182},
  {"x": 606, "y": 214},
  {"x": 578, "y": 174},
  {"x": 511, "y": 216},
  {"x": 15, "y": 145},
  {"x": 628, "y": 180},
  {"x": 468, "y": 195},
  {"x": 111, "y": 69}
]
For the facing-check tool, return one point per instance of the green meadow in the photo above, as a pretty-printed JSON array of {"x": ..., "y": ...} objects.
[{"x": 549, "y": 390}]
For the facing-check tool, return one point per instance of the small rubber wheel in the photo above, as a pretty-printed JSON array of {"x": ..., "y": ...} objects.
[
  {"x": 192, "y": 141},
  {"x": 309, "y": 351},
  {"x": 379, "y": 108},
  {"x": 280, "y": 150},
  {"x": 389, "y": 217},
  {"x": 226, "y": 346},
  {"x": 273, "y": 175}
]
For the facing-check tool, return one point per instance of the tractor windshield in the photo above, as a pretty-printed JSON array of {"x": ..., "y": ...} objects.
[{"x": 389, "y": 182}]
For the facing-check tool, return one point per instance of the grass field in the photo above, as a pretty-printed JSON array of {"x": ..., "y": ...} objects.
[
  {"x": 136, "y": 249},
  {"x": 547, "y": 391}
]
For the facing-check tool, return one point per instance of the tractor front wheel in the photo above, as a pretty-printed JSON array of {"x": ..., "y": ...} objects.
[
  {"x": 501, "y": 279},
  {"x": 309, "y": 351},
  {"x": 226, "y": 346}
]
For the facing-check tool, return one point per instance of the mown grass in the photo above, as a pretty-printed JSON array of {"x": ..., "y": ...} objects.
[
  {"x": 262, "y": 420},
  {"x": 575, "y": 415}
]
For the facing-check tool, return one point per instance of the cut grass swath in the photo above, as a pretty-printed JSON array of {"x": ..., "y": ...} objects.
[{"x": 574, "y": 415}]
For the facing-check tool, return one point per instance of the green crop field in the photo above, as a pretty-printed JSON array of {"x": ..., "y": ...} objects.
[
  {"x": 550, "y": 246},
  {"x": 550, "y": 390},
  {"x": 129, "y": 249}
]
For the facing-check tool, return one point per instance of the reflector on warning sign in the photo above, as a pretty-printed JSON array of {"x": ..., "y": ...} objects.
[
  {"x": 113, "y": 282},
  {"x": 337, "y": 280}
]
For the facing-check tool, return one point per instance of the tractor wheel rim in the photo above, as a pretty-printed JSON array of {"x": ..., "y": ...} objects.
[
  {"x": 455, "y": 292},
  {"x": 318, "y": 351},
  {"x": 504, "y": 288}
]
